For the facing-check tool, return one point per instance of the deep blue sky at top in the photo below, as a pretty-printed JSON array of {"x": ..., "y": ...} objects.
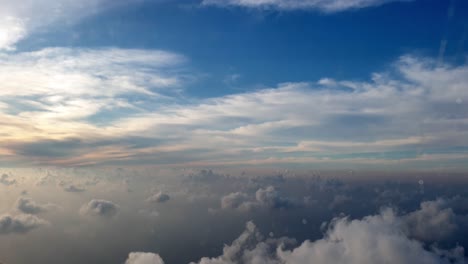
[{"x": 265, "y": 48}]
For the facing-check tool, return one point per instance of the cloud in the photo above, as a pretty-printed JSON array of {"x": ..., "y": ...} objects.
[
  {"x": 97, "y": 207},
  {"x": 249, "y": 247},
  {"x": 374, "y": 239},
  {"x": 234, "y": 200},
  {"x": 28, "y": 206},
  {"x": 294, "y": 123},
  {"x": 7, "y": 180},
  {"x": 434, "y": 221},
  {"x": 143, "y": 258},
  {"x": 159, "y": 198},
  {"x": 19, "y": 20},
  {"x": 267, "y": 197},
  {"x": 22, "y": 223},
  {"x": 328, "y": 6},
  {"x": 73, "y": 188}
]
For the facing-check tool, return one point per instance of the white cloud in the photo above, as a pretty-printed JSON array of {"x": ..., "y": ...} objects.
[
  {"x": 374, "y": 239},
  {"x": 143, "y": 258},
  {"x": 380, "y": 238},
  {"x": 329, "y": 6},
  {"x": 407, "y": 108},
  {"x": 12, "y": 30},
  {"x": 98, "y": 207},
  {"x": 19, "y": 19}
]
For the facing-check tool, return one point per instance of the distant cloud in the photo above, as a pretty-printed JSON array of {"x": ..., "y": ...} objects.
[
  {"x": 28, "y": 206},
  {"x": 159, "y": 197},
  {"x": 22, "y": 223},
  {"x": 97, "y": 207},
  {"x": 331, "y": 123},
  {"x": 143, "y": 258},
  {"x": 267, "y": 197},
  {"x": 73, "y": 188},
  {"x": 7, "y": 180},
  {"x": 328, "y": 6}
]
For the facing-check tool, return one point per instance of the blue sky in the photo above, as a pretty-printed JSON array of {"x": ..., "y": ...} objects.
[{"x": 334, "y": 84}]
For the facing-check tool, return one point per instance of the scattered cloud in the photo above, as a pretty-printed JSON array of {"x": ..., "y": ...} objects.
[
  {"x": 22, "y": 223},
  {"x": 28, "y": 206},
  {"x": 97, "y": 207},
  {"x": 7, "y": 180},
  {"x": 159, "y": 197}
]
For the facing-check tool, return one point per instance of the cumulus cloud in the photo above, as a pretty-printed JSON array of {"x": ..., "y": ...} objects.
[
  {"x": 433, "y": 222},
  {"x": 234, "y": 200},
  {"x": 380, "y": 238},
  {"x": 28, "y": 206},
  {"x": 143, "y": 258},
  {"x": 159, "y": 197},
  {"x": 7, "y": 180},
  {"x": 374, "y": 239},
  {"x": 329, "y": 6},
  {"x": 98, "y": 207},
  {"x": 22, "y": 223},
  {"x": 267, "y": 197},
  {"x": 249, "y": 247}
]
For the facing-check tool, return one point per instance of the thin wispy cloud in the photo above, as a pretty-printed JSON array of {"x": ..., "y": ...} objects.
[{"x": 329, "y": 6}]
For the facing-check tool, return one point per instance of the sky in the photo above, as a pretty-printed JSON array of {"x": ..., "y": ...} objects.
[
  {"x": 233, "y": 131},
  {"x": 364, "y": 84}
]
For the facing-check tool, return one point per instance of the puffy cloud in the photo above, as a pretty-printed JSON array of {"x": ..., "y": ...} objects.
[
  {"x": 249, "y": 247},
  {"x": 234, "y": 200},
  {"x": 22, "y": 223},
  {"x": 381, "y": 238},
  {"x": 97, "y": 207},
  {"x": 159, "y": 197},
  {"x": 28, "y": 206},
  {"x": 374, "y": 239},
  {"x": 267, "y": 197},
  {"x": 7, "y": 180},
  {"x": 326, "y": 6},
  {"x": 143, "y": 258},
  {"x": 433, "y": 222}
]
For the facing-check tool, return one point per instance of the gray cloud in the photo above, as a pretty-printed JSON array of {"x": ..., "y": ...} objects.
[
  {"x": 22, "y": 223},
  {"x": 159, "y": 197},
  {"x": 434, "y": 221},
  {"x": 73, "y": 188},
  {"x": 98, "y": 207},
  {"x": 28, "y": 206},
  {"x": 7, "y": 180}
]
